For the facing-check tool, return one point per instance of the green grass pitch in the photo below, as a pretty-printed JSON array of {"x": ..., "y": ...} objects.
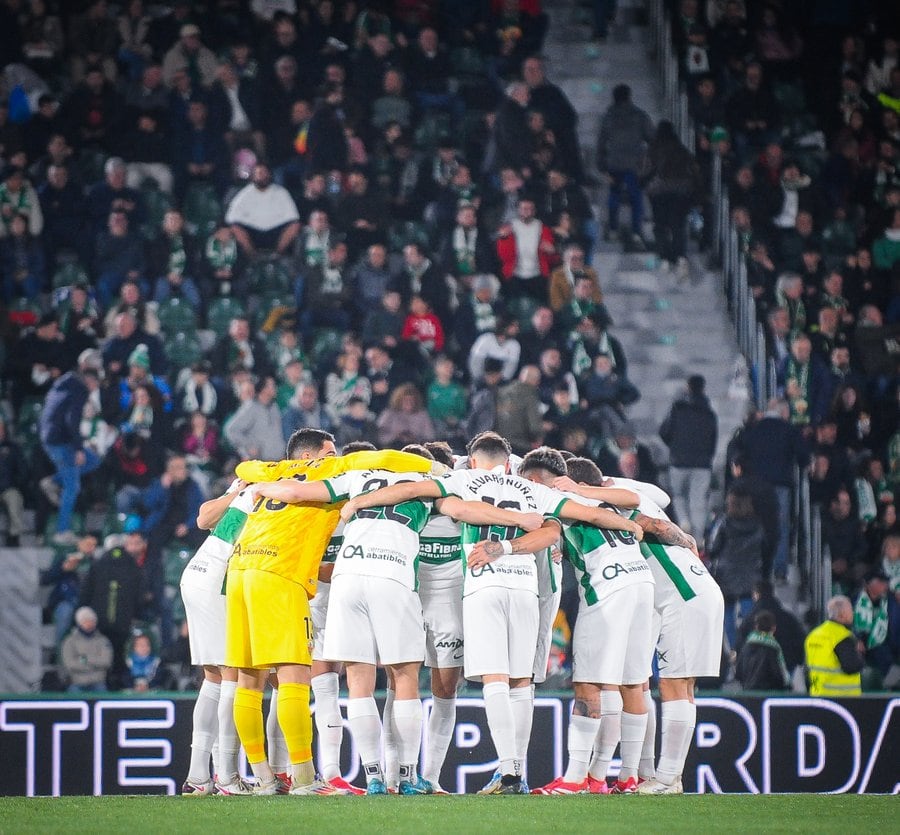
[{"x": 818, "y": 814}]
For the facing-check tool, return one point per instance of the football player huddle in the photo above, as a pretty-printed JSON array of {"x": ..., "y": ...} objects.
[{"x": 321, "y": 562}]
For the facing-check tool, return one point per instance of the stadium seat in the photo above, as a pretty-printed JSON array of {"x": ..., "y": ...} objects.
[
  {"x": 269, "y": 276},
  {"x": 523, "y": 309},
  {"x": 68, "y": 274},
  {"x": 408, "y": 232},
  {"x": 431, "y": 127},
  {"x": 177, "y": 315},
  {"x": 220, "y": 313},
  {"x": 324, "y": 342},
  {"x": 202, "y": 210},
  {"x": 183, "y": 349},
  {"x": 157, "y": 204}
]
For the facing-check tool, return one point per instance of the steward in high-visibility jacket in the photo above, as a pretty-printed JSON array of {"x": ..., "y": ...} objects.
[{"x": 833, "y": 661}]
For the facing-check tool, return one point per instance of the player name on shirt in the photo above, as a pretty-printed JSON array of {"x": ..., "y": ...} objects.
[{"x": 504, "y": 491}]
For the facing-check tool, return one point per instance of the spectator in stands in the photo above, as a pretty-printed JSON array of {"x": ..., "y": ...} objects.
[
  {"x": 191, "y": 56},
  {"x": 59, "y": 427},
  {"x": 328, "y": 290},
  {"x": 553, "y": 374},
  {"x": 871, "y": 622},
  {"x": 130, "y": 301},
  {"x": 789, "y": 634},
  {"x": 171, "y": 260},
  {"x": 772, "y": 448},
  {"x": 144, "y": 669},
  {"x": 305, "y": 410},
  {"x": 519, "y": 411},
  {"x": 502, "y": 344},
  {"x": 63, "y": 208},
  {"x": 112, "y": 194},
  {"x": 220, "y": 258},
  {"x": 805, "y": 381},
  {"x": 419, "y": 276},
  {"x": 405, "y": 420},
  {"x": 625, "y": 131},
  {"x": 65, "y": 575},
  {"x": 255, "y": 430},
  {"x": 93, "y": 111},
  {"x": 18, "y": 198},
  {"x": 262, "y": 215},
  {"x": 146, "y": 148},
  {"x": 511, "y": 130},
  {"x": 422, "y": 327},
  {"x": 357, "y": 424},
  {"x": 608, "y": 392},
  {"x": 346, "y": 380},
  {"x": 477, "y": 313},
  {"x": 482, "y": 414},
  {"x": 86, "y": 655},
  {"x": 671, "y": 174},
  {"x": 200, "y": 155},
  {"x": 236, "y": 109},
  {"x": 842, "y": 533},
  {"x": 736, "y": 551},
  {"x": 22, "y": 262},
  {"x": 620, "y": 453},
  {"x": 541, "y": 334},
  {"x": 752, "y": 111},
  {"x": 446, "y": 400},
  {"x": 361, "y": 213},
  {"x": 115, "y": 588},
  {"x": 12, "y": 481},
  {"x": 760, "y": 661},
  {"x": 565, "y": 276},
  {"x": 690, "y": 431},
  {"x": 126, "y": 337},
  {"x": 834, "y": 656},
  {"x": 132, "y": 463},
  {"x": 527, "y": 253},
  {"x": 119, "y": 257},
  {"x": 384, "y": 324},
  {"x": 240, "y": 349}
]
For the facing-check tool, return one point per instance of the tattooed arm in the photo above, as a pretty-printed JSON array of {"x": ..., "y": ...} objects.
[{"x": 667, "y": 532}]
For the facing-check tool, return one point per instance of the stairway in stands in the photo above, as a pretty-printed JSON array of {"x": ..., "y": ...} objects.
[{"x": 669, "y": 329}]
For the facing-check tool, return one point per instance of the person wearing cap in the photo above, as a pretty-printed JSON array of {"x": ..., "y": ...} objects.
[
  {"x": 59, "y": 428},
  {"x": 86, "y": 654},
  {"x": 191, "y": 56},
  {"x": 690, "y": 431}
]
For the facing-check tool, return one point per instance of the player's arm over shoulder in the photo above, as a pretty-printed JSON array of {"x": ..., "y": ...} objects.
[
  {"x": 618, "y": 496},
  {"x": 600, "y": 517},
  {"x": 291, "y": 491},
  {"x": 261, "y": 471},
  {"x": 482, "y": 513},
  {"x": 404, "y": 491},
  {"x": 666, "y": 532},
  {"x": 213, "y": 510}
]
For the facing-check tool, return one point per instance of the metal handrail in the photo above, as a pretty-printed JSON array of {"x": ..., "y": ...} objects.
[{"x": 807, "y": 549}]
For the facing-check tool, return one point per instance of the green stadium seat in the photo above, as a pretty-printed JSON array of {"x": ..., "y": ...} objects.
[
  {"x": 523, "y": 309},
  {"x": 68, "y": 274},
  {"x": 220, "y": 313},
  {"x": 325, "y": 341},
  {"x": 202, "y": 210},
  {"x": 177, "y": 315},
  {"x": 270, "y": 277},
  {"x": 157, "y": 204},
  {"x": 183, "y": 349}
]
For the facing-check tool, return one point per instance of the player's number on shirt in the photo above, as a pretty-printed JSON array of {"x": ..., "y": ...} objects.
[
  {"x": 498, "y": 533},
  {"x": 391, "y": 513},
  {"x": 275, "y": 504}
]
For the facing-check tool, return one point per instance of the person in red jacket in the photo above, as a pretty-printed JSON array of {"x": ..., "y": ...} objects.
[
  {"x": 423, "y": 326},
  {"x": 527, "y": 253}
]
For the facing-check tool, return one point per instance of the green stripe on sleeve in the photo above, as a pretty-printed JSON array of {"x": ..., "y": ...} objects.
[{"x": 651, "y": 547}]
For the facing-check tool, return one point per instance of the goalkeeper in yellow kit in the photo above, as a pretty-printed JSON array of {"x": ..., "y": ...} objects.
[{"x": 272, "y": 575}]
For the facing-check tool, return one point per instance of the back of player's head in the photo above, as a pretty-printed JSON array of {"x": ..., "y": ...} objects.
[
  {"x": 418, "y": 449},
  {"x": 358, "y": 446},
  {"x": 441, "y": 451},
  {"x": 567, "y": 456},
  {"x": 764, "y": 621},
  {"x": 584, "y": 471},
  {"x": 308, "y": 443},
  {"x": 489, "y": 445},
  {"x": 543, "y": 460}
]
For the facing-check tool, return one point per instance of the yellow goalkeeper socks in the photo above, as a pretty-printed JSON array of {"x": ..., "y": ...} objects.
[
  {"x": 297, "y": 726},
  {"x": 248, "y": 720}
]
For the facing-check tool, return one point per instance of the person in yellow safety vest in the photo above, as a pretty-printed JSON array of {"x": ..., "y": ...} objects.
[{"x": 833, "y": 656}]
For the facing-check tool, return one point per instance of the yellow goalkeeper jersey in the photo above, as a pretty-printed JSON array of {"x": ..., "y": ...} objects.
[{"x": 290, "y": 539}]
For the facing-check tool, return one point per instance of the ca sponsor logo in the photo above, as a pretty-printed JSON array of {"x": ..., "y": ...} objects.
[
  {"x": 352, "y": 551},
  {"x": 698, "y": 570},
  {"x": 477, "y": 572}
]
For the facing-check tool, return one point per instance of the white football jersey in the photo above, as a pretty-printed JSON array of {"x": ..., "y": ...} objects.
[
  {"x": 380, "y": 541},
  {"x": 440, "y": 554},
  {"x": 510, "y": 492}
]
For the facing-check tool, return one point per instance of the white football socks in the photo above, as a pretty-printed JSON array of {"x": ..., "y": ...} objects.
[
  {"x": 365, "y": 725},
  {"x": 329, "y": 724},
  {"x": 229, "y": 742},
  {"x": 408, "y": 725},
  {"x": 678, "y": 720},
  {"x": 646, "y": 770},
  {"x": 582, "y": 734},
  {"x": 634, "y": 726},
  {"x": 391, "y": 743},
  {"x": 205, "y": 731},
  {"x": 276, "y": 746},
  {"x": 441, "y": 724},
  {"x": 609, "y": 735},
  {"x": 502, "y": 725},
  {"x": 522, "y": 701}
]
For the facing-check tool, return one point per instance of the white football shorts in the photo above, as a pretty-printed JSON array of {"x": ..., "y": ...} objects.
[
  {"x": 689, "y": 633},
  {"x": 500, "y": 629},
  {"x": 442, "y": 610}
]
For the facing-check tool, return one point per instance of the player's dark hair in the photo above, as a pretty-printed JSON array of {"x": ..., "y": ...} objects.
[
  {"x": 567, "y": 455},
  {"x": 543, "y": 458},
  {"x": 307, "y": 441},
  {"x": 764, "y": 621},
  {"x": 441, "y": 451},
  {"x": 418, "y": 449},
  {"x": 489, "y": 444},
  {"x": 584, "y": 471},
  {"x": 358, "y": 446}
]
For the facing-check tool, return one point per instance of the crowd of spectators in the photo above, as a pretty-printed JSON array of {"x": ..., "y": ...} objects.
[
  {"x": 222, "y": 221},
  {"x": 802, "y": 107}
]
